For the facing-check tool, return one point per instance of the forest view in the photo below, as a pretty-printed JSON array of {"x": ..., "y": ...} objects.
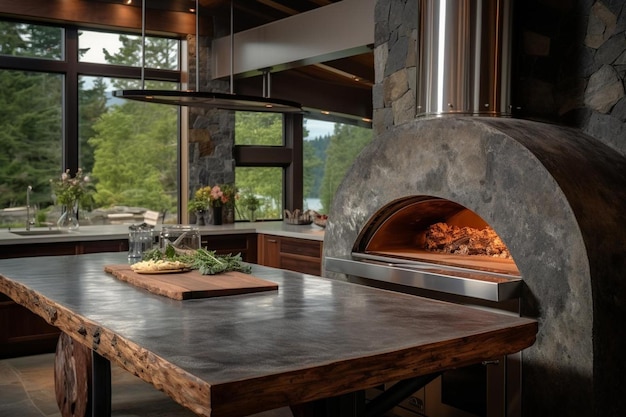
[{"x": 129, "y": 149}]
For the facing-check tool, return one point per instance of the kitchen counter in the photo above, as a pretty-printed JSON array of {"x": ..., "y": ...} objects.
[{"x": 115, "y": 232}]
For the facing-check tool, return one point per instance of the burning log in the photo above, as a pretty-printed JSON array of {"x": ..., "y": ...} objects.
[{"x": 445, "y": 238}]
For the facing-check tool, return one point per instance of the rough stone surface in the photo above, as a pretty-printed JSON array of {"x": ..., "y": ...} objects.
[
  {"x": 404, "y": 108},
  {"x": 395, "y": 86},
  {"x": 585, "y": 36},
  {"x": 397, "y": 56},
  {"x": 609, "y": 129},
  {"x": 610, "y": 50},
  {"x": 604, "y": 90},
  {"x": 619, "y": 111},
  {"x": 601, "y": 25},
  {"x": 555, "y": 196},
  {"x": 211, "y": 136}
]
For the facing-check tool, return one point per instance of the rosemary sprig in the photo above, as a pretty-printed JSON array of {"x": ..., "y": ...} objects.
[{"x": 205, "y": 261}]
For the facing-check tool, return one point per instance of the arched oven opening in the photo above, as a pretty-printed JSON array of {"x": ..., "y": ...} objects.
[
  {"x": 436, "y": 230},
  {"x": 434, "y": 247},
  {"x": 433, "y": 244}
]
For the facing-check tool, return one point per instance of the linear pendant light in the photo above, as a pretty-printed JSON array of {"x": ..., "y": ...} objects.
[{"x": 225, "y": 101}]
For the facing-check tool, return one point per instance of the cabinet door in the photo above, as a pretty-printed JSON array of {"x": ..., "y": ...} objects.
[
  {"x": 244, "y": 244},
  {"x": 301, "y": 255},
  {"x": 22, "y": 332},
  {"x": 269, "y": 253}
]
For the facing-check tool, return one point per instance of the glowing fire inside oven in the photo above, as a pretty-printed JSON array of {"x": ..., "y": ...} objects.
[{"x": 445, "y": 238}]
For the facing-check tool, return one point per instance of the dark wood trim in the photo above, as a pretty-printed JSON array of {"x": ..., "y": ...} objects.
[
  {"x": 104, "y": 15},
  {"x": 294, "y": 173},
  {"x": 70, "y": 103},
  {"x": 263, "y": 156},
  {"x": 314, "y": 93}
]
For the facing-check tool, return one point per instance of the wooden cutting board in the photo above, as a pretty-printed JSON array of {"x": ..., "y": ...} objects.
[{"x": 192, "y": 284}]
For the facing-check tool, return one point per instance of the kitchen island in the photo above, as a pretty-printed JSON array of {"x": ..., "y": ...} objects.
[
  {"x": 310, "y": 340},
  {"x": 23, "y": 333}
]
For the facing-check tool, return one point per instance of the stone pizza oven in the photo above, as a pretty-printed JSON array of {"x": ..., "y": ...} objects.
[{"x": 555, "y": 194}]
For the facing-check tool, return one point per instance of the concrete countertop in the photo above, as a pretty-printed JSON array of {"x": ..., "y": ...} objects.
[{"x": 113, "y": 232}]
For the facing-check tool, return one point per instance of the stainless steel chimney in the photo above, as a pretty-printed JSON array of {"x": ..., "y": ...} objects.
[{"x": 464, "y": 57}]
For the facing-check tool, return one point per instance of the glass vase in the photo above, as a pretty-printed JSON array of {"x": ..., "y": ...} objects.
[
  {"x": 228, "y": 214},
  {"x": 200, "y": 218},
  {"x": 68, "y": 222}
]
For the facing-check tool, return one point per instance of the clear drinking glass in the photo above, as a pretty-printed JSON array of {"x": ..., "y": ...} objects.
[{"x": 140, "y": 240}]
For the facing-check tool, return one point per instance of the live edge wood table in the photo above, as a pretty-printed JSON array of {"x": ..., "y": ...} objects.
[{"x": 305, "y": 345}]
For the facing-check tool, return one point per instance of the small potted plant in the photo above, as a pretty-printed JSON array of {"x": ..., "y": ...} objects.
[
  {"x": 199, "y": 204},
  {"x": 251, "y": 204}
]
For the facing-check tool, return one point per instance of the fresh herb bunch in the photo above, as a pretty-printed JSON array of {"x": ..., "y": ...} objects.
[
  {"x": 209, "y": 263},
  {"x": 205, "y": 261}
]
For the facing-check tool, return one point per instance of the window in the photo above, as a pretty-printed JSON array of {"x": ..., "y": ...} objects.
[
  {"x": 124, "y": 49},
  {"x": 260, "y": 129},
  {"x": 264, "y": 183},
  {"x": 267, "y": 162},
  {"x": 34, "y": 41},
  {"x": 31, "y": 137},
  {"x": 257, "y": 130},
  {"x": 129, "y": 147},
  {"x": 329, "y": 150},
  {"x": 57, "y": 115}
]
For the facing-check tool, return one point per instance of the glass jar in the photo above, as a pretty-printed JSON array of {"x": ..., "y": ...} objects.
[{"x": 181, "y": 237}]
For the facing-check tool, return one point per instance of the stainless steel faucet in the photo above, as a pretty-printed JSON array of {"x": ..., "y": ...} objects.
[{"x": 29, "y": 222}]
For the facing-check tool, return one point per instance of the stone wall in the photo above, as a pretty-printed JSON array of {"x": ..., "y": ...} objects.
[
  {"x": 211, "y": 131},
  {"x": 569, "y": 65}
]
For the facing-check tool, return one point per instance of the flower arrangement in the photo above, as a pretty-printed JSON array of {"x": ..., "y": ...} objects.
[
  {"x": 200, "y": 201},
  {"x": 216, "y": 196},
  {"x": 68, "y": 190},
  {"x": 223, "y": 195}
]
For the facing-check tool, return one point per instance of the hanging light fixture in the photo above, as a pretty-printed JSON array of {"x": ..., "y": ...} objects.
[{"x": 225, "y": 101}]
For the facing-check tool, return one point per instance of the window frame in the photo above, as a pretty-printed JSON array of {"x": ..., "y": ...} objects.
[
  {"x": 71, "y": 69},
  {"x": 289, "y": 157}
]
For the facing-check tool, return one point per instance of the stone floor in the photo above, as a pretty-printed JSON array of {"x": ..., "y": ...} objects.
[{"x": 27, "y": 390}]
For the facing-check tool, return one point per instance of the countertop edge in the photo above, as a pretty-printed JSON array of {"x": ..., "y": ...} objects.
[{"x": 115, "y": 232}]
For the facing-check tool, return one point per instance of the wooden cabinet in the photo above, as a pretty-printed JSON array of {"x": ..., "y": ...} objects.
[
  {"x": 63, "y": 248},
  {"x": 22, "y": 332},
  {"x": 300, "y": 255},
  {"x": 245, "y": 244}
]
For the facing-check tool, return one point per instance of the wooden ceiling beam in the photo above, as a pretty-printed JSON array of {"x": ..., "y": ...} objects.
[
  {"x": 274, "y": 5},
  {"x": 103, "y": 15}
]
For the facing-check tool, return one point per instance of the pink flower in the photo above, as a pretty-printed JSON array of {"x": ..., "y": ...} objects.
[{"x": 216, "y": 193}]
